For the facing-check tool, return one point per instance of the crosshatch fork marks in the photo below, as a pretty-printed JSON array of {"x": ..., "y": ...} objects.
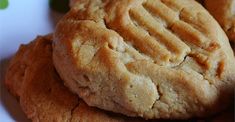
[
  {"x": 157, "y": 29},
  {"x": 172, "y": 43},
  {"x": 176, "y": 23},
  {"x": 167, "y": 44}
]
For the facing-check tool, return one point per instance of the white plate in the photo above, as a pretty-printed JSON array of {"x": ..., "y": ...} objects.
[{"x": 20, "y": 23}]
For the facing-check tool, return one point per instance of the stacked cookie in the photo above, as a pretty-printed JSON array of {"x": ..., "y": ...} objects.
[
  {"x": 224, "y": 13},
  {"x": 126, "y": 60}
]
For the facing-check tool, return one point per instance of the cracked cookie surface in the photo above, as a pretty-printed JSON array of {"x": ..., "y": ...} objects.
[{"x": 147, "y": 58}]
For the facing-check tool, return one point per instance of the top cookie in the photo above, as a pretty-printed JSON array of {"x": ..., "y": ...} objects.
[
  {"x": 148, "y": 58},
  {"x": 224, "y": 13}
]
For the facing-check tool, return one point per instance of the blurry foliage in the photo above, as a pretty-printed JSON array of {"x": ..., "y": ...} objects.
[{"x": 3, "y": 4}]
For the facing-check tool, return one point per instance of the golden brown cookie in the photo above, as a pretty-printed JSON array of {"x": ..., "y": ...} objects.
[
  {"x": 224, "y": 13},
  {"x": 147, "y": 58},
  {"x": 32, "y": 77}
]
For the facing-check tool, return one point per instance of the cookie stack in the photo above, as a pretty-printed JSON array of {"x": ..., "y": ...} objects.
[{"x": 128, "y": 60}]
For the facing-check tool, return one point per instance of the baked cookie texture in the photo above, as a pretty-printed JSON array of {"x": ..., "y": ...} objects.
[
  {"x": 224, "y": 13},
  {"x": 147, "y": 58},
  {"x": 32, "y": 78}
]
